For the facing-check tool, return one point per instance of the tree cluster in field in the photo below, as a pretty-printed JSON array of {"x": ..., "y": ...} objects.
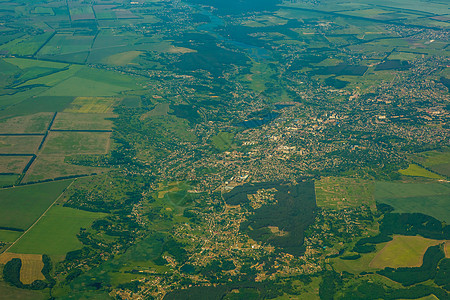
[
  {"x": 410, "y": 276},
  {"x": 405, "y": 224},
  {"x": 11, "y": 274}
]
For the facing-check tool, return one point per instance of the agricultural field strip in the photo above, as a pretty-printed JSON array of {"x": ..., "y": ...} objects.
[
  {"x": 336, "y": 14},
  {"x": 81, "y": 130},
  {"x": 26, "y": 231},
  {"x": 45, "y": 43},
  {"x": 33, "y": 158},
  {"x": 27, "y": 166},
  {"x": 429, "y": 169},
  {"x": 21, "y": 134},
  {"x": 17, "y": 154},
  {"x": 23, "y": 83}
]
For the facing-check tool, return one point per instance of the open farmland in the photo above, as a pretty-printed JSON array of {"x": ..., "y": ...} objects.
[
  {"x": 77, "y": 86},
  {"x": 6, "y": 180},
  {"x": 123, "y": 58},
  {"x": 19, "y": 144},
  {"x": 54, "y": 166},
  {"x": 34, "y": 123},
  {"x": 70, "y": 142},
  {"x": 9, "y": 236},
  {"x": 37, "y": 105},
  {"x": 56, "y": 233},
  {"x": 83, "y": 121},
  {"x": 92, "y": 105},
  {"x": 27, "y": 45},
  {"x": 358, "y": 265},
  {"x": 26, "y": 63},
  {"x": 81, "y": 12},
  {"x": 23, "y": 205},
  {"x": 68, "y": 45},
  {"x": 428, "y": 198},
  {"x": 53, "y": 78},
  {"x": 13, "y": 293},
  {"x": 402, "y": 251},
  {"x": 341, "y": 192},
  {"x": 13, "y": 164}
]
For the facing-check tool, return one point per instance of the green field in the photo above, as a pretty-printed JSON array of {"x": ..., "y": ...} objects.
[
  {"x": 356, "y": 266},
  {"x": 160, "y": 109},
  {"x": 77, "y": 86},
  {"x": 34, "y": 123},
  {"x": 342, "y": 192},
  {"x": 56, "y": 233},
  {"x": 81, "y": 12},
  {"x": 402, "y": 251},
  {"x": 415, "y": 170},
  {"x": 21, "y": 206},
  {"x": 25, "y": 63},
  {"x": 428, "y": 198},
  {"x": 27, "y": 45},
  {"x": 438, "y": 161},
  {"x": 92, "y": 105},
  {"x": 54, "y": 78},
  {"x": 404, "y": 56},
  {"x": 54, "y": 166},
  {"x": 65, "y": 143},
  {"x": 66, "y": 44},
  {"x": 37, "y": 105},
  {"x": 8, "y": 102},
  {"x": 12, "y": 293},
  {"x": 121, "y": 59},
  {"x": 13, "y": 164},
  {"x": 83, "y": 121},
  {"x": 222, "y": 141},
  {"x": 19, "y": 144},
  {"x": 9, "y": 236},
  {"x": 43, "y": 10},
  {"x": 8, "y": 179}
]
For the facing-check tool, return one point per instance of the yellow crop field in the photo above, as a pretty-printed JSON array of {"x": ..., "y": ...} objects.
[{"x": 31, "y": 266}]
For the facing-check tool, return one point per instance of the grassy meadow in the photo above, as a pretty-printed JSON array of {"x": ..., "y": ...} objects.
[
  {"x": 359, "y": 265},
  {"x": 222, "y": 141},
  {"x": 415, "y": 170},
  {"x": 66, "y": 143},
  {"x": 9, "y": 236},
  {"x": 6, "y": 180},
  {"x": 438, "y": 161},
  {"x": 12, "y": 293},
  {"x": 19, "y": 144},
  {"x": 92, "y": 105},
  {"x": 83, "y": 121},
  {"x": 13, "y": 164},
  {"x": 402, "y": 251},
  {"x": 54, "y": 166},
  {"x": 34, "y": 123}
]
